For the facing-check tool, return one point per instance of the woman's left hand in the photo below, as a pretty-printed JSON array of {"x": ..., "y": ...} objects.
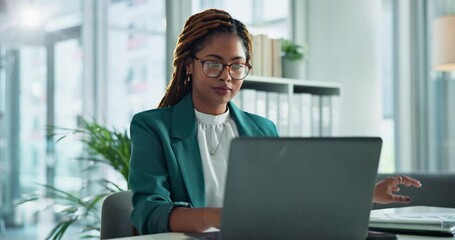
[{"x": 385, "y": 189}]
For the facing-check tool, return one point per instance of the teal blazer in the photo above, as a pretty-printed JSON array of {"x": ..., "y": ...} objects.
[{"x": 166, "y": 168}]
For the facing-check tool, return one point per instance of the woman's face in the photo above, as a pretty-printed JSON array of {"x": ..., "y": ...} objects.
[{"x": 211, "y": 94}]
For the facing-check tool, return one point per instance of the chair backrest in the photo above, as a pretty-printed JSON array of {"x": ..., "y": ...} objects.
[
  {"x": 115, "y": 216},
  {"x": 436, "y": 190}
]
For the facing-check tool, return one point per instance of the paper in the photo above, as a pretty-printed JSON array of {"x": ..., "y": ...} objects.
[{"x": 417, "y": 218}]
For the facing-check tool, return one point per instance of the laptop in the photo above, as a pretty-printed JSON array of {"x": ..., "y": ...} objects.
[
  {"x": 421, "y": 220},
  {"x": 299, "y": 188}
]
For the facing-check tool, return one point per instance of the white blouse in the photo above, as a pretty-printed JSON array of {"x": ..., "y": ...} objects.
[{"x": 214, "y": 135}]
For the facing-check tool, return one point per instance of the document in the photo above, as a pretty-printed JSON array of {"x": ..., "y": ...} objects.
[{"x": 416, "y": 219}]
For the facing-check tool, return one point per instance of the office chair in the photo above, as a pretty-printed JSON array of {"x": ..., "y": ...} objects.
[{"x": 115, "y": 216}]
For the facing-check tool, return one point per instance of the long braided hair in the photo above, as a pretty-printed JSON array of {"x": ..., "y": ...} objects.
[{"x": 197, "y": 28}]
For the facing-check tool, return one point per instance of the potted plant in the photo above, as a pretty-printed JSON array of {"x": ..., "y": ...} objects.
[
  {"x": 293, "y": 56},
  {"x": 105, "y": 146}
]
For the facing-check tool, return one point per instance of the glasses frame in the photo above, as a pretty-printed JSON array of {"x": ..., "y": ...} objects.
[{"x": 222, "y": 69}]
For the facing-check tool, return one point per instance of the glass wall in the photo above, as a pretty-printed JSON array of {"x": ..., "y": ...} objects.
[
  {"x": 261, "y": 16},
  {"x": 68, "y": 102},
  {"x": 136, "y": 54},
  {"x": 426, "y": 128},
  {"x": 41, "y": 78},
  {"x": 440, "y": 91},
  {"x": 32, "y": 120},
  {"x": 22, "y": 124},
  {"x": 44, "y": 85},
  {"x": 135, "y": 79}
]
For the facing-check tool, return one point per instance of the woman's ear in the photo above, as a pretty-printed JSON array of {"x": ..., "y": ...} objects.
[
  {"x": 189, "y": 69},
  {"x": 189, "y": 66}
]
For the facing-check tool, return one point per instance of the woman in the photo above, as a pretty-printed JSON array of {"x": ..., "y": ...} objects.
[{"x": 179, "y": 151}]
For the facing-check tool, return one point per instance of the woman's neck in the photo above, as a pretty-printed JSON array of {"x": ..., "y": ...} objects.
[{"x": 212, "y": 110}]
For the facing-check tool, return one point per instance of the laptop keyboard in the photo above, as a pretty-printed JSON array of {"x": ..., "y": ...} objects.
[{"x": 204, "y": 235}]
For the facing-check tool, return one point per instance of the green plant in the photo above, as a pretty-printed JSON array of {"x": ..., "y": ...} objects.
[
  {"x": 75, "y": 209},
  {"x": 106, "y": 146},
  {"x": 112, "y": 145},
  {"x": 293, "y": 51}
]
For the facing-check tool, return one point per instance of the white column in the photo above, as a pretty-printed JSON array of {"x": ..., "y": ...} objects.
[{"x": 344, "y": 39}]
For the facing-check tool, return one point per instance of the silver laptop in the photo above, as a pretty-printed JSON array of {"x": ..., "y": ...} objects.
[{"x": 299, "y": 188}]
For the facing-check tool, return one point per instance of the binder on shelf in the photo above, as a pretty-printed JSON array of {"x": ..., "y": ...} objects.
[
  {"x": 292, "y": 105},
  {"x": 238, "y": 100},
  {"x": 283, "y": 114},
  {"x": 272, "y": 107},
  {"x": 315, "y": 115},
  {"x": 296, "y": 122},
  {"x": 326, "y": 116},
  {"x": 261, "y": 103},
  {"x": 335, "y": 114},
  {"x": 305, "y": 114},
  {"x": 248, "y": 100}
]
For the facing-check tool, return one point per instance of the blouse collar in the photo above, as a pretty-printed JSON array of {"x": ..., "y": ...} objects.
[{"x": 211, "y": 119}]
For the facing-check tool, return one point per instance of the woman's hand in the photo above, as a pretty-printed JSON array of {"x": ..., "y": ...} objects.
[
  {"x": 385, "y": 189},
  {"x": 194, "y": 219}
]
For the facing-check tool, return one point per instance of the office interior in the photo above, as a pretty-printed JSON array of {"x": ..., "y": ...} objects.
[{"x": 104, "y": 60}]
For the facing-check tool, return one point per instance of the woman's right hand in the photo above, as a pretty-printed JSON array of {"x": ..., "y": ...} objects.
[
  {"x": 214, "y": 217},
  {"x": 194, "y": 219}
]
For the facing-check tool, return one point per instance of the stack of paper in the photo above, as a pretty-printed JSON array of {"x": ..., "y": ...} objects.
[{"x": 415, "y": 219}]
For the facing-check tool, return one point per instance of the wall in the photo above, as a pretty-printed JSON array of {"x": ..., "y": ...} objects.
[{"x": 344, "y": 38}]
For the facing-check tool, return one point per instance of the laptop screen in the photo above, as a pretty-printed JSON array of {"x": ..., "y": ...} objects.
[{"x": 292, "y": 187}]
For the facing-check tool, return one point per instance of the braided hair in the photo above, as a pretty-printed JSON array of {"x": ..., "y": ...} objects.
[{"x": 191, "y": 40}]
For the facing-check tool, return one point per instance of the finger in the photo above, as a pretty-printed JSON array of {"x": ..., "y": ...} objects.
[
  {"x": 394, "y": 180},
  {"x": 401, "y": 198},
  {"x": 409, "y": 181},
  {"x": 409, "y": 178},
  {"x": 395, "y": 189}
]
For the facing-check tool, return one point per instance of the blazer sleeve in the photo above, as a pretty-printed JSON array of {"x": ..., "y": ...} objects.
[{"x": 149, "y": 179}]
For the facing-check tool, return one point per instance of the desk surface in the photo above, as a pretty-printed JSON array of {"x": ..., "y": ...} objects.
[{"x": 181, "y": 236}]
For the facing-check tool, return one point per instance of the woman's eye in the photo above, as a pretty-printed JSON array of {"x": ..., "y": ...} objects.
[
  {"x": 237, "y": 67},
  {"x": 213, "y": 64}
]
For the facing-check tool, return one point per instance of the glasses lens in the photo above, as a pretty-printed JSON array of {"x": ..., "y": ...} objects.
[
  {"x": 212, "y": 69},
  {"x": 238, "y": 71}
]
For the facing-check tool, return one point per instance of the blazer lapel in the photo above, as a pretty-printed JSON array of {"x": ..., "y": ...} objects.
[{"x": 186, "y": 149}]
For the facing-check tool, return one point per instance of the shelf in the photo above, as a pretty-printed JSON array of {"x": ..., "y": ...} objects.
[
  {"x": 297, "y": 107},
  {"x": 283, "y": 85}
]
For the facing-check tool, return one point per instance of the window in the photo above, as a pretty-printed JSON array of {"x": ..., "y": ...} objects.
[
  {"x": 32, "y": 120},
  {"x": 421, "y": 110},
  {"x": 261, "y": 17},
  {"x": 42, "y": 83},
  {"x": 68, "y": 104},
  {"x": 136, "y": 58},
  {"x": 387, "y": 163},
  {"x": 440, "y": 108}
]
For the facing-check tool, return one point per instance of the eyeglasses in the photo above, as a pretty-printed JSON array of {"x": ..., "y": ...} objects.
[{"x": 213, "y": 69}]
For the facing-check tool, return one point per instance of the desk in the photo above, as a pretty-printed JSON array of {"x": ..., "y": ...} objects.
[{"x": 181, "y": 236}]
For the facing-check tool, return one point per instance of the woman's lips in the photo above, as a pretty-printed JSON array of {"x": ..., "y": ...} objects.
[{"x": 222, "y": 90}]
